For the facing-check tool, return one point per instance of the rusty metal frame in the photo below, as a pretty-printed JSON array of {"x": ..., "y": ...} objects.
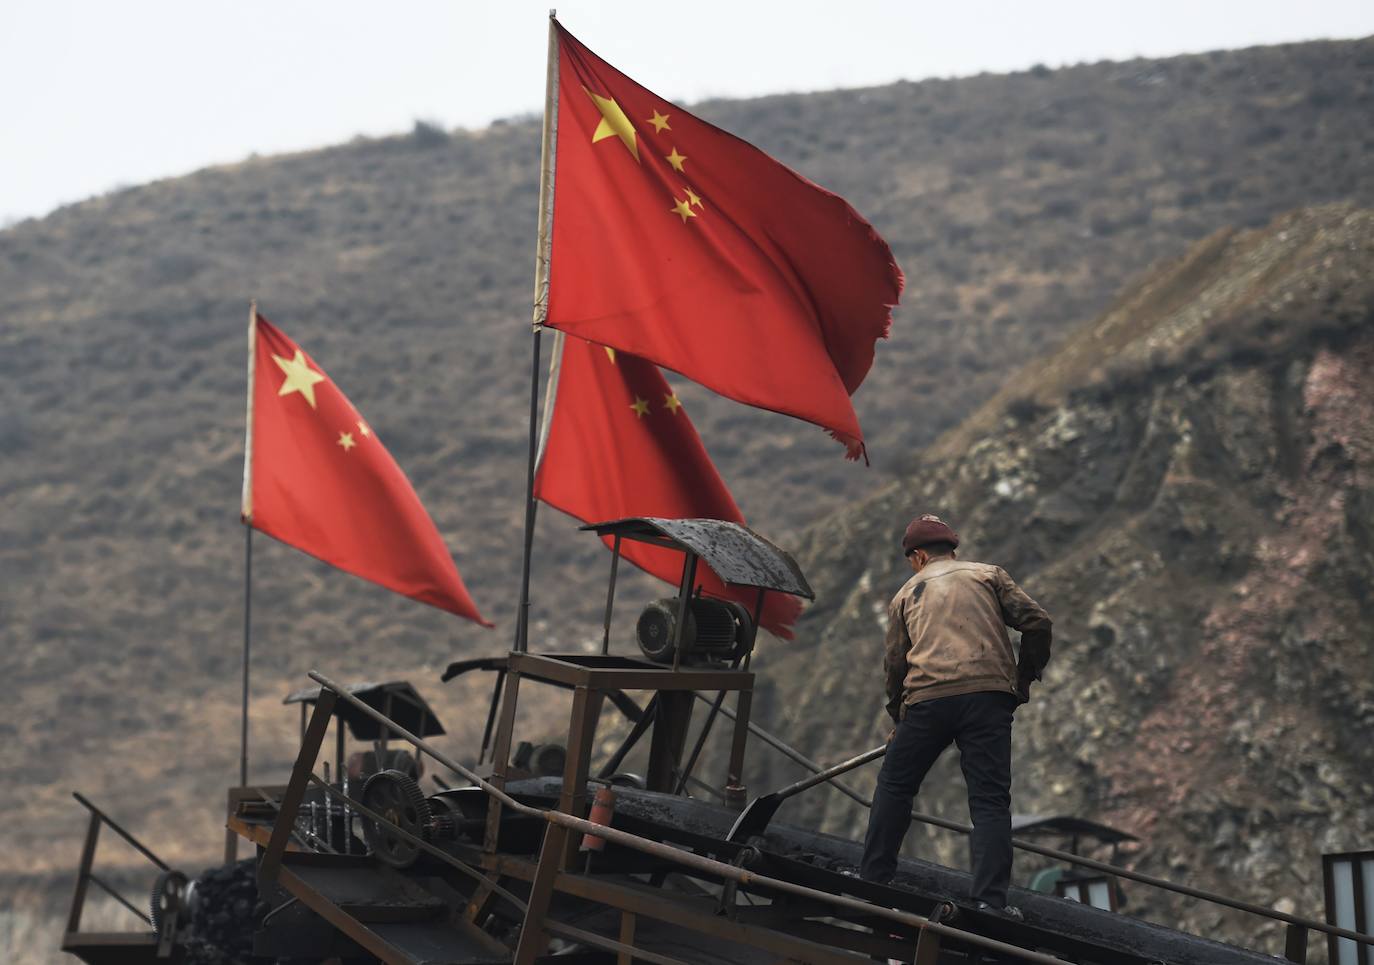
[
  {"x": 592, "y": 678},
  {"x": 688, "y": 861},
  {"x": 84, "y": 874}
]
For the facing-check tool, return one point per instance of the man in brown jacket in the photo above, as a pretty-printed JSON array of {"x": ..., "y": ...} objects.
[{"x": 952, "y": 677}]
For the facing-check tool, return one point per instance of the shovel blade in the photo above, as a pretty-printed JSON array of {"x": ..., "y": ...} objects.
[{"x": 754, "y": 818}]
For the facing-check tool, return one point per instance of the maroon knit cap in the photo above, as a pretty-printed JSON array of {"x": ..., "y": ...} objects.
[{"x": 927, "y": 529}]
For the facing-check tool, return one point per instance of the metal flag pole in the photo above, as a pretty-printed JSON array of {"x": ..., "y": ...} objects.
[
  {"x": 246, "y": 516},
  {"x": 247, "y": 641},
  {"x": 547, "y": 154}
]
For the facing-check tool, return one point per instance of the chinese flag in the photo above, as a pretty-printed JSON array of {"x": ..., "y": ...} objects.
[
  {"x": 316, "y": 477},
  {"x": 690, "y": 248},
  {"x": 618, "y": 443}
]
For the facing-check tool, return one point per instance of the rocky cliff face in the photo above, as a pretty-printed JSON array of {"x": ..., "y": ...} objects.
[{"x": 1186, "y": 487}]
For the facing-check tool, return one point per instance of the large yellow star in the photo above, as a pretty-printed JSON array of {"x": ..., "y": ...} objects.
[
  {"x": 346, "y": 440},
  {"x": 614, "y": 123},
  {"x": 684, "y": 209},
  {"x": 300, "y": 377},
  {"x": 641, "y": 407},
  {"x": 660, "y": 123},
  {"x": 672, "y": 403},
  {"x": 676, "y": 159}
]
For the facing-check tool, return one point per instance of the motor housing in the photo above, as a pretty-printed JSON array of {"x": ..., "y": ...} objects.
[{"x": 714, "y": 631}]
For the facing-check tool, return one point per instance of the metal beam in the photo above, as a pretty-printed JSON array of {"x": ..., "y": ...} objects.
[{"x": 285, "y": 821}]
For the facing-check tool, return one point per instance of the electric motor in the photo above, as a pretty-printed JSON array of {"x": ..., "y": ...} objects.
[{"x": 715, "y": 631}]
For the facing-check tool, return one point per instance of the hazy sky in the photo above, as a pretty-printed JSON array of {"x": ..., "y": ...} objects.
[{"x": 99, "y": 94}]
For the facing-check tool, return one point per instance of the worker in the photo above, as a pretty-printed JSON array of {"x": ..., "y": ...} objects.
[{"x": 952, "y": 676}]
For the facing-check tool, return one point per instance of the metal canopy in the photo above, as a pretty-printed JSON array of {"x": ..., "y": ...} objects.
[
  {"x": 396, "y": 699},
  {"x": 735, "y": 553},
  {"x": 1028, "y": 825}
]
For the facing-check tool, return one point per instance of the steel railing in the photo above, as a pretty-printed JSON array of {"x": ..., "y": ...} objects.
[
  {"x": 1297, "y": 925},
  {"x": 566, "y": 823},
  {"x": 85, "y": 875}
]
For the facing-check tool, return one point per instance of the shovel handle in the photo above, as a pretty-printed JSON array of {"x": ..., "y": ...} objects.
[{"x": 830, "y": 772}]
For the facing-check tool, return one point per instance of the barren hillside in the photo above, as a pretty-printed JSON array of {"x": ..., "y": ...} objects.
[{"x": 1017, "y": 205}]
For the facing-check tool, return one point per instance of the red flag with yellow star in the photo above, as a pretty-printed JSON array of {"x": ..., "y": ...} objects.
[
  {"x": 616, "y": 443},
  {"x": 316, "y": 477},
  {"x": 686, "y": 246}
]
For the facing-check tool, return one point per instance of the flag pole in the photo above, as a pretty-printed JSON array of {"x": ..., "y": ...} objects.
[
  {"x": 246, "y": 516},
  {"x": 247, "y": 640},
  {"x": 547, "y": 156}
]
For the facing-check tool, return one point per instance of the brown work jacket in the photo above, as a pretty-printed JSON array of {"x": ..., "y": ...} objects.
[{"x": 947, "y": 634}]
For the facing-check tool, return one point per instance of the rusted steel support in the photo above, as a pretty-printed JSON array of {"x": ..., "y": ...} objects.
[
  {"x": 734, "y": 776},
  {"x": 285, "y": 821},
  {"x": 701, "y": 742},
  {"x": 113, "y": 892},
  {"x": 491, "y": 714},
  {"x": 689, "y": 575},
  {"x": 500, "y": 756},
  {"x": 640, "y": 728},
  {"x": 610, "y": 595},
  {"x": 927, "y": 948},
  {"x": 671, "y": 722},
  {"x": 627, "y": 937},
  {"x": 534, "y": 939},
  {"x": 114, "y": 826},
  {"x": 586, "y": 710},
  {"x": 83, "y": 874}
]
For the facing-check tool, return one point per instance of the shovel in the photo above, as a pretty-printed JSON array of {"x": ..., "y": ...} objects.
[{"x": 754, "y": 818}]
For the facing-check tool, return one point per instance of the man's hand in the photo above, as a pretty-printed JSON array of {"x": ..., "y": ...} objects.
[
  {"x": 1023, "y": 686},
  {"x": 890, "y": 734}
]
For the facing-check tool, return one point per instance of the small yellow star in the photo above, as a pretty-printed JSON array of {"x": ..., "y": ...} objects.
[
  {"x": 641, "y": 407},
  {"x": 300, "y": 377},
  {"x": 346, "y": 440},
  {"x": 672, "y": 403},
  {"x": 660, "y": 122},
  {"x": 684, "y": 209},
  {"x": 363, "y": 430},
  {"x": 610, "y": 353},
  {"x": 693, "y": 198},
  {"x": 676, "y": 160},
  {"x": 614, "y": 123}
]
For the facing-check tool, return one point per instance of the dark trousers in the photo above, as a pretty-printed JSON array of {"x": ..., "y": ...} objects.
[{"x": 980, "y": 724}]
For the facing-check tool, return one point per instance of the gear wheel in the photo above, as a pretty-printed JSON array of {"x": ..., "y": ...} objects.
[
  {"x": 398, "y": 798},
  {"x": 166, "y": 899}
]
